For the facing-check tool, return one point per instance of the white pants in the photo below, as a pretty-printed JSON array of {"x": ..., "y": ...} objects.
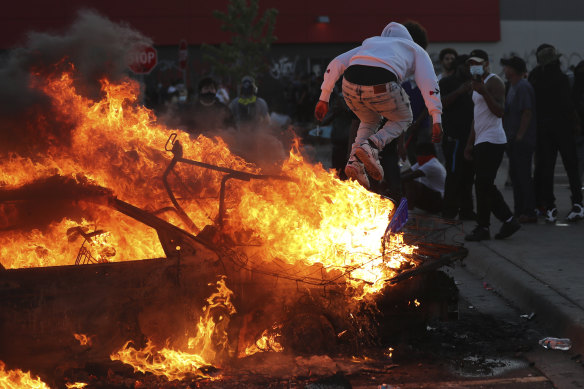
[{"x": 371, "y": 104}]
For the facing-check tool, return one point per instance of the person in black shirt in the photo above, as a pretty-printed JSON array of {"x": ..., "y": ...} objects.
[
  {"x": 208, "y": 113},
  {"x": 457, "y": 119},
  {"x": 555, "y": 116},
  {"x": 578, "y": 98}
]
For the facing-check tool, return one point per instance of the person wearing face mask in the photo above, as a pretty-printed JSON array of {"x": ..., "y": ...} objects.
[
  {"x": 372, "y": 76},
  {"x": 249, "y": 110},
  {"x": 208, "y": 113},
  {"x": 486, "y": 146},
  {"x": 424, "y": 182}
]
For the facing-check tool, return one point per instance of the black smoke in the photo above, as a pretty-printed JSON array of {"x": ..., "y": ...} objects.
[{"x": 94, "y": 46}]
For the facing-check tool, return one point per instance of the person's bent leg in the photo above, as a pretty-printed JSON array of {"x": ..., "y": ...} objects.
[
  {"x": 486, "y": 171},
  {"x": 428, "y": 200},
  {"x": 369, "y": 121},
  {"x": 394, "y": 105}
]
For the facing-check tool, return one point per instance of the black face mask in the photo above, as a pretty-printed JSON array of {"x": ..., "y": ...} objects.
[
  {"x": 247, "y": 89},
  {"x": 208, "y": 97}
]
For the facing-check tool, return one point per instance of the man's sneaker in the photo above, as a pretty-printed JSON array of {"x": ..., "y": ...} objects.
[
  {"x": 354, "y": 169},
  {"x": 551, "y": 215},
  {"x": 369, "y": 156},
  {"x": 478, "y": 234},
  {"x": 576, "y": 213},
  {"x": 508, "y": 229}
]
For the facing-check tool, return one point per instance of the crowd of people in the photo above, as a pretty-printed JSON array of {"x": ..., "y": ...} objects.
[
  {"x": 472, "y": 116},
  {"x": 400, "y": 129},
  {"x": 211, "y": 106}
]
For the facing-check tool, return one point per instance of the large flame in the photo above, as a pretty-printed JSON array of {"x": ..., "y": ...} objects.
[
  {"x": 210, "y": 339},
  {"x": 17, "y": 379},
  {"x": 116, "y": 143}
]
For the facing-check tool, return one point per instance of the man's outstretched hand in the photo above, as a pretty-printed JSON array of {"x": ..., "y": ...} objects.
[
  {"x": 437, "y": 133},
  {"x": 320, "y": 110}
]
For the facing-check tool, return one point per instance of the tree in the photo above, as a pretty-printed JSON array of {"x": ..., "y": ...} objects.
[{"x": 250, "y": 41}]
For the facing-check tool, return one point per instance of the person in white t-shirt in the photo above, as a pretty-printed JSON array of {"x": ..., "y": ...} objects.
[
  {"x": 485, "y": 147},
  {"x": 372, "y": 74},
  {"x": 424, "y": 183}
]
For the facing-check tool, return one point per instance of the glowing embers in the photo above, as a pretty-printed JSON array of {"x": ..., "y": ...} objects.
[
  {"x": 84, "y": 340},
  {"x": 210, "y": 340},
  {"x": 16, "y": 379},
  {"x": 269, "y": 340}
]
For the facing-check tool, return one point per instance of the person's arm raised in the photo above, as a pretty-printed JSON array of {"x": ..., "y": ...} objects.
[{"x": 493, "y": 91}]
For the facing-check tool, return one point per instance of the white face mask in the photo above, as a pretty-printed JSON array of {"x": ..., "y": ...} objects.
[{"x": 477, "y": 70}]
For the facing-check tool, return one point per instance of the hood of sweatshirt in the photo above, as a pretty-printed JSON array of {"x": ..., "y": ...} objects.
[{"x": 396, "y": 30}]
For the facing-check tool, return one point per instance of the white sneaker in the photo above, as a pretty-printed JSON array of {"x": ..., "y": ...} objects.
[
  {"x": 576, "y": 213},
  {"x": 551, "y": 215},
  {"x": 354, "y": 169},
  {"x": 369, "y": 156}
]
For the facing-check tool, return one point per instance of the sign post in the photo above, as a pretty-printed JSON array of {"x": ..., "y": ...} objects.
[{"x": 183, "y": 55}]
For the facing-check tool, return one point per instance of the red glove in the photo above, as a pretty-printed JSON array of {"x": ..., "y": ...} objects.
[
  {"x": 437, "y": 133},
  {"x": 320, "y": 110}
]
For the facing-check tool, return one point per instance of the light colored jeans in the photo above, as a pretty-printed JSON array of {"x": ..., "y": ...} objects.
[{"x": 371, "y": 104}]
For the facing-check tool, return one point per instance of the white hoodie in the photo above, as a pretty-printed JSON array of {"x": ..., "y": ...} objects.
[{"x": 396, "y": 51}]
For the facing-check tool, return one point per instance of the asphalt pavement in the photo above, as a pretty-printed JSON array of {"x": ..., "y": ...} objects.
[{"x": 540, "y": 269}]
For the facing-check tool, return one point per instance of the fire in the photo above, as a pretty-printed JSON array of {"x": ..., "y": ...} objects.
[
  {"x": 16, "y": 379},
  {"x": 76, "y": 385},
  {"x": 268, "y": 341},
  {"x": 175, "y": 364},
  {"x": 83, "y": 339},
  {"x": 117, "y": 144}
]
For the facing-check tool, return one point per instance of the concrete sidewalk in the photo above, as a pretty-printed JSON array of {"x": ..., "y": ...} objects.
[{"x": 540, "y": 269}]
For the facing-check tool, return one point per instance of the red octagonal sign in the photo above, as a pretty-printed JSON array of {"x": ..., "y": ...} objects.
[{"x": 143, "y": 60}]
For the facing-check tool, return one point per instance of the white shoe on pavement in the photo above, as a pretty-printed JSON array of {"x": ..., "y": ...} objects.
[
  {"x": 576, "y": 213},
  {"x": 551, "y": 215},
  {"x": 355, "y": 170},
  {"x": 369, "y": 156}
]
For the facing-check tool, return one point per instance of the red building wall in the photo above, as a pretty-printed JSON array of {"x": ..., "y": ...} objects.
[{"x": 168, "y": 21}]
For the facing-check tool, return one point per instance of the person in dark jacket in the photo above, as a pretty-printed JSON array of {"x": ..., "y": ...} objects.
[
  {"x": 457, "y": 119},
  {"x": 555, "y": 118},
  {"x": 208, "y": 113}
]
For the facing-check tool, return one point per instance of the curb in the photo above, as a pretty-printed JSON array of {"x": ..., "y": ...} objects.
[{"x": 557, "y": 314}]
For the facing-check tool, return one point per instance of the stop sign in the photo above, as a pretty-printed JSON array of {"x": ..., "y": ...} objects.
[{"x": 143, "y": 60}]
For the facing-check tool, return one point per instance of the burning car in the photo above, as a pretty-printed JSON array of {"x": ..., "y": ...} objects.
[{"x": 128, "y": 241}]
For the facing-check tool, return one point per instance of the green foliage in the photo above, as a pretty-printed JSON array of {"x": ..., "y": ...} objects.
[{"x": 251, "y": 37}]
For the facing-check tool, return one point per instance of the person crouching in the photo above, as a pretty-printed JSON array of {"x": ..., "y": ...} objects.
[{"x": 424, "y": 183}]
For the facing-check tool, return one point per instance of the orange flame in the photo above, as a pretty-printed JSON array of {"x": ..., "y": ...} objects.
[
  {"x": 17, "y": 379},
  {"x": 83, "y": 339},
  {"x": 175, "y": 364},
  {"x": 268, "y": 341},
  {"x": 117, "y": 144},
  {"x": 76, "y": 385}
]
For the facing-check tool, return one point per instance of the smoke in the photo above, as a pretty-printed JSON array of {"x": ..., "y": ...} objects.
[
  {"x": 265, "y": 146},
  {"x": 93, "y": 45}
]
